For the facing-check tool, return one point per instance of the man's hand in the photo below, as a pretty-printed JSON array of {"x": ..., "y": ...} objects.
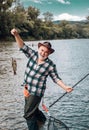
[
  {"x": 18, "y": 39},
  {"x": 69, "y": 89},
  {"x": 26, "y": 92},
  {"x": 14, "y": 32}
]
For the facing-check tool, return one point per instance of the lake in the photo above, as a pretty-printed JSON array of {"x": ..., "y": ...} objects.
[{"x": 72, "y": 60}]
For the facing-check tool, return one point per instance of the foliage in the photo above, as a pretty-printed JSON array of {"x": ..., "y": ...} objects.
[
  {"x": 30, "y": 26},
  {"x": 5, "y": 18},
  {"x": 32, "y": 13},
  {"x": 48, "y": 16}
]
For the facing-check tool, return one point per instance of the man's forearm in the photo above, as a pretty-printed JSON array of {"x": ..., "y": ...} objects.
[
  {"x": 65, "y": 87},
  {"x": 61, "y": 84},
  {"x": 18, "y": 39}
]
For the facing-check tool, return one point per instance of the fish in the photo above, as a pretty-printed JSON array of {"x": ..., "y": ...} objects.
[{"x": 14, "y": 66}]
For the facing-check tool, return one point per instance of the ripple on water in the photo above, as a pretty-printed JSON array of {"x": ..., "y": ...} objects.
[{"x": 72, "y": 109}]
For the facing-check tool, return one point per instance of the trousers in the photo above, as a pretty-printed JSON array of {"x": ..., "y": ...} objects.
[{"x": 32, "y": 114}]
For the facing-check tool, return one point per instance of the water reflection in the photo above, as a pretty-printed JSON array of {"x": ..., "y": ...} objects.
[{"x": 72, "y": 64}]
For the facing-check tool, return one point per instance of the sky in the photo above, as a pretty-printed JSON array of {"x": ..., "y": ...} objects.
[{"x": 71, "y": 10}]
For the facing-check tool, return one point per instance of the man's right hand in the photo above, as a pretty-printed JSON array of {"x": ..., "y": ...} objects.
[
  {"x": 14, "y": 32},
  {"x": 18, "y": 39}
]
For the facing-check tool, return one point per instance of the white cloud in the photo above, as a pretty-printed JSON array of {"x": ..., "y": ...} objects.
[
  {"x": 37, "y": 1},
  {"x": 41, "y": 1},
  {"x": 68, "y": 17},
  {"x": 63, "y": 1}
]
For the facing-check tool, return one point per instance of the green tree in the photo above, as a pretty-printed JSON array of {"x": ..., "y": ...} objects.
[
  {"x": 88, "y": 18},
  {"x": 64, "y": 25},
  {"x": 5, "y": 19},
  {"x": 32, "y": 13},
  {"x": 48, "y": 16},
  {"x": 19, "y": 15},
  {"x": 5, "y": 5}
]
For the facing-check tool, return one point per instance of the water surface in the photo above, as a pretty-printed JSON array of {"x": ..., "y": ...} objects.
[{"x": 72, "y": 60}]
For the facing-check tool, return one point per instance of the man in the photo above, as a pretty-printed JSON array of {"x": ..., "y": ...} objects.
[{"x": 39, "y": 67}]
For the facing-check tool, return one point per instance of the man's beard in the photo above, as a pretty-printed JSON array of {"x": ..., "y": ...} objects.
[{"x": 41, "y": 57}]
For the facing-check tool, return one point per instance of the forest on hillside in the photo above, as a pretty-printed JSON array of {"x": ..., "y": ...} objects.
[{"x": 31, "y": 27}]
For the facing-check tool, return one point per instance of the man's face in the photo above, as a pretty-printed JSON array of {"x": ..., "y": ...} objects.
[{"x": 43, "y": 52}]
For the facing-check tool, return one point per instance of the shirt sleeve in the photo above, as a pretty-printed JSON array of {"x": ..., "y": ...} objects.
[
  {"x": 53, "y": 74},
  {"x": 27, "y": 50}
]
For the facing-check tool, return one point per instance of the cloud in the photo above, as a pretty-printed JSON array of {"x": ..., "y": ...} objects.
[
  {"x": 63, "y": 2},
  {"x": 68, "y": 17},
  {"x": 40, "y": 1},
  {"x": 37, "y": 1}
]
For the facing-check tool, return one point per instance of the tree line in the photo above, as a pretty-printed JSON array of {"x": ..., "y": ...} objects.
[{"x": 31, "y": 27}]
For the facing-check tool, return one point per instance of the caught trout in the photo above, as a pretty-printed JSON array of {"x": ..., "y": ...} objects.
[{"x": 14, "y": 65}]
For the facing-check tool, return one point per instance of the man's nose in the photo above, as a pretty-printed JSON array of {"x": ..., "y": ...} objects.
[{"x": 43, "y": 53}]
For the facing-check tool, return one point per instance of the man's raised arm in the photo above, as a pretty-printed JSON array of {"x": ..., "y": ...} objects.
[{"x": 18, "y": 39}]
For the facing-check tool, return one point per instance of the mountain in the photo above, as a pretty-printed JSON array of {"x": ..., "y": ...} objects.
[{"x": 71, "y": 22}]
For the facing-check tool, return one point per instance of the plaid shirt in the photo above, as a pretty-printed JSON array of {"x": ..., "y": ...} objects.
[{"x": 36, "y": 75}]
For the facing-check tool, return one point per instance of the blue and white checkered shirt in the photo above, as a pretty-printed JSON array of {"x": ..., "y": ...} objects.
[{"x": 36, "y": 75}]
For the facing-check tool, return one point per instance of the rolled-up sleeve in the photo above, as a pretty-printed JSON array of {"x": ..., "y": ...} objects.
[
  {"x": 53, "y": 74},
  {"x": 27, "y": 50}
]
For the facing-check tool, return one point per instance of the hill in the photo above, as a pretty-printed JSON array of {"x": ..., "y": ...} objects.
[{"x": 71, "y": 22}]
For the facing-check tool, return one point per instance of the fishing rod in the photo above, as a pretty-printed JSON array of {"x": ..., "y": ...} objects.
[{"x": 66, "y": 92}]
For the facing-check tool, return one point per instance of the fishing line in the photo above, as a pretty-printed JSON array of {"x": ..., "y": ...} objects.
[
  {"x": 66, "y": 92},
  {"x": 53, "y": 123}
]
